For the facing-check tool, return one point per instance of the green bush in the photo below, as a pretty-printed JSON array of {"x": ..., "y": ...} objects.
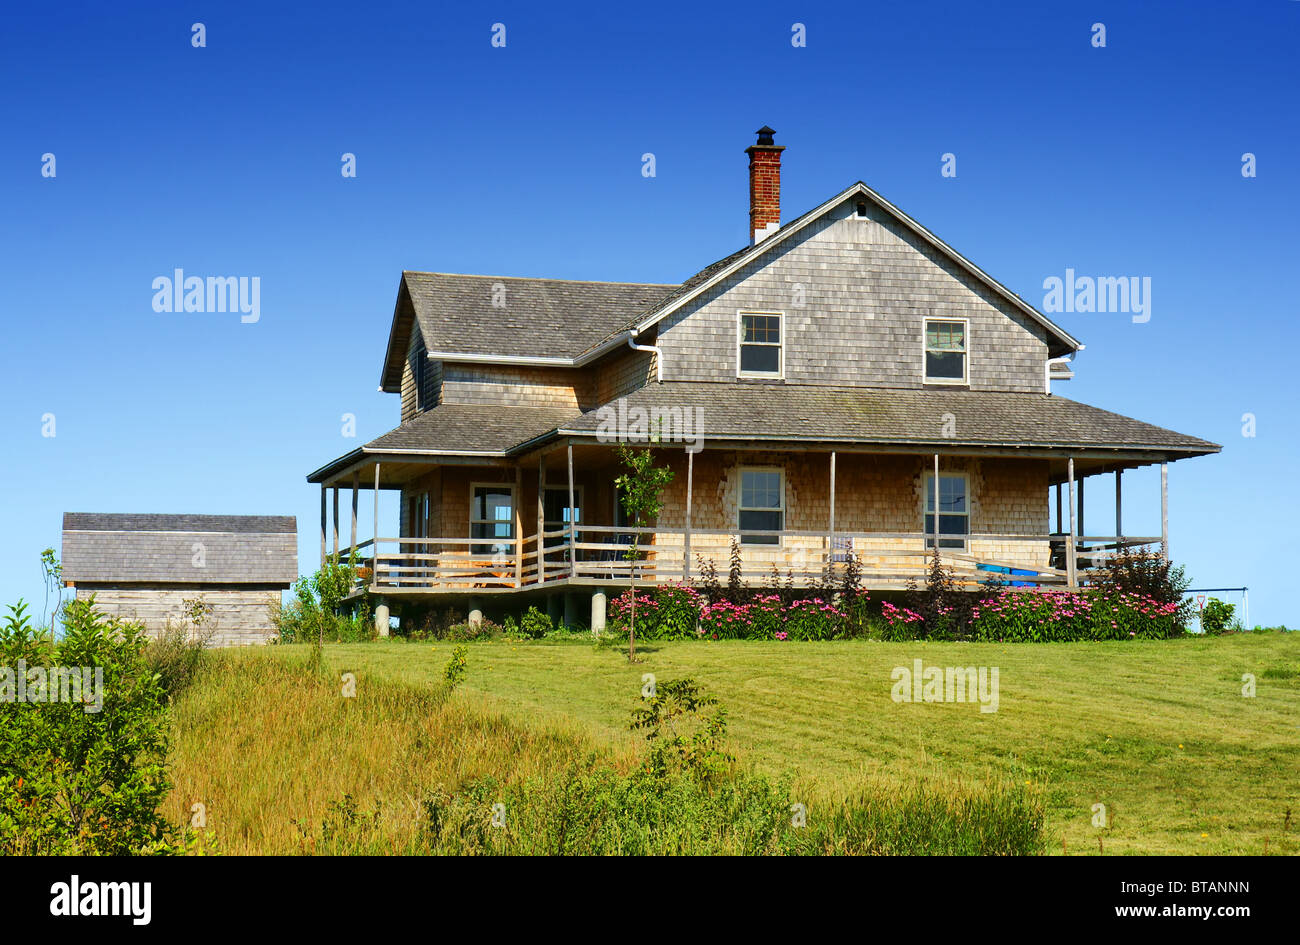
[
  {"x": 83, "y": 778},
  {"x": 318, "y": 613},
  {"x": 1217, "y": 617}
]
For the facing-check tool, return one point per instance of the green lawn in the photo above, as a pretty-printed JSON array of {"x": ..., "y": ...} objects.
[{"x": 1157, "y": 731}]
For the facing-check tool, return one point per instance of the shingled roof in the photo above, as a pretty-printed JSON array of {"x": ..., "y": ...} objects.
[
  {"x": 888, "y": 416},
  {"x": 538, "y": 317},
  {"x": 472, "y": 428},
  {"x": 199, "y": 550},
  {"x": 792, "y": 413}
]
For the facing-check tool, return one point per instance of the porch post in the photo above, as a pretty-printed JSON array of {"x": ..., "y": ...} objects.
[
  {"x": 1083, "y": 529},
  {"x": 1071, "y": 562},
  {"x": 832, "y": 501},
  {"x": 374, "y": 548},
  {"x": 356, "y": 488},
  {"x": 541, "y": 519},
  {"x": 336, "y": 520},
  {"x": 1119, "y": 506},
  {"x": 686, "y": 535},
  {"x": 519, "y": 526},
  {"x": 1164, "y": 510},
  {"x": 936, "y": 503},
  {"x": 323, "y": 550},
  {"x": 573, "y": 512}
]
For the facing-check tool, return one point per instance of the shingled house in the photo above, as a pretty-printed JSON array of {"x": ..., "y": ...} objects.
[
  {"x": 819, "y": 393},
  {"x": 151, "y": 568}
]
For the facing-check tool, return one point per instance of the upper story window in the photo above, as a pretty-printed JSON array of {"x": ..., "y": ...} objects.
[
  {"x": 946, "y": 350},
  {"x": 762, "y": 505},
  {"x": 759, "y": 341}
]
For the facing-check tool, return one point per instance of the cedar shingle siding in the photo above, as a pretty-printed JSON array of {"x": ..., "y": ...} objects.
[
  {"x": 145, "y": 566},
  {"x": 854, "y": 293}
]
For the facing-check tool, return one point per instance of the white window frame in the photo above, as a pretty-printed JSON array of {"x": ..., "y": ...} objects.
[
  {"x": 964, "y": 380},
  {"x": 780, "y": 346},
  {"x": 742, "y": 508},
  {"x": 927, "y": 482},
  {"x": 514, "y": 513}
]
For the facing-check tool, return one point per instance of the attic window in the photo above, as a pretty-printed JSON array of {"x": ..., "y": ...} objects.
[
  {"x": 945, "y": 351},
  {"x": 862, "y": 208},
  {"x": 759, "y": 343}
]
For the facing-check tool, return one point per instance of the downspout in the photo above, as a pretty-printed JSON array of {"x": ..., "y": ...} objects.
[
  {"x": 649, "y": 349},
  {"x": 1047, "y": 368}
]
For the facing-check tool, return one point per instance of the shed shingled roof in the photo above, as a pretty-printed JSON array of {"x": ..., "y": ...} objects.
[{"x": 198, "y": 550}]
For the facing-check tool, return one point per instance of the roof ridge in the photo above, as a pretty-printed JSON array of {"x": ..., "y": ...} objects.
[{"x": 482, "y": 275}]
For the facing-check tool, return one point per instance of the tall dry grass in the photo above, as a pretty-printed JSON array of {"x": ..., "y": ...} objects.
[{"x": 272, "y": 748}]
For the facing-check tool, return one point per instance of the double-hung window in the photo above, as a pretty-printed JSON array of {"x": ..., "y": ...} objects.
[
  {"x": 762, "y": 505},
  {"x": 946, "y": 351},
  {"x": 492, "y": 519},
  {"x": 954, "y": 511},
  {"x": 760, "y": 352}
]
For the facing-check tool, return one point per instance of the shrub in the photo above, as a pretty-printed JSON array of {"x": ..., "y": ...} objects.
[
  {"x": 944, "y": 610},
  {"x": 1149, "y": 575},
  {"x": 1216, "y": 617},
  {"x": 454, "y": 673},
  {"x": 77, "y": 781},
  {"x": 469, "y": 632},
  {"x": 429, "y": 623},
  {"x": 533, "y": 625},
  {"x": 174, "y": 655},
  {"x": 317, "y": 612}
]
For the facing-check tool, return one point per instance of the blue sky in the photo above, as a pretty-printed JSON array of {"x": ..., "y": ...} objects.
[{"x": 526, "y": 160}]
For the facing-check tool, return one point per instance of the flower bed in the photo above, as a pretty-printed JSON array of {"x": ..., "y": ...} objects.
[
  {"x": 1050, "y": 616},
  {"x": 680, "y": 612}
]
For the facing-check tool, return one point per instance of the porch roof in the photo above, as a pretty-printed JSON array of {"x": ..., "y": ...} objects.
[
  {"x": 741, "y": 412},
  {"x": 897, "y": 416},
  {"x": 484, "y": 431}
]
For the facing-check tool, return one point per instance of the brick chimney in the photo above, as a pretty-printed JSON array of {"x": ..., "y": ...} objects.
[{"x": 764, "y": 186}]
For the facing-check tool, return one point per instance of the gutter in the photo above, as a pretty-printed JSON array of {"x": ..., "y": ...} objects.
[
  {"x": 1047, "y": 369},
  {"x": 650, "y": 349}
]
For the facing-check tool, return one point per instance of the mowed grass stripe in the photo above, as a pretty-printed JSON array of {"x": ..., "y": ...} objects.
[{"x": 1092, "y": 722}]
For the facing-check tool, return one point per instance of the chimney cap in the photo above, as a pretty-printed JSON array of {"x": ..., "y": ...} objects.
[{"x": 765, "y": 135}]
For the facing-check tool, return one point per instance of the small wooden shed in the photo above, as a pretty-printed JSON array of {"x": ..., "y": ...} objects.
[{"x": 153, "y": 568}]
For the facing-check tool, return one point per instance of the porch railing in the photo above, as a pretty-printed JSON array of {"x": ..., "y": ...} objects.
[{"x": 594, "y": 553}]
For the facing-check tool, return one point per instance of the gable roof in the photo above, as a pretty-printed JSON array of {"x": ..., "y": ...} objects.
[
  {"x": 716, "y": 272},
  {"x": 110, "y": 548},
  {"x": 541, "y": 321},
  {"x": 572, "y": 323}
]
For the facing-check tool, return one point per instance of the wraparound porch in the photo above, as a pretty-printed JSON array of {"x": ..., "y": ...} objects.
[{"x": 585, "y": 548}]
